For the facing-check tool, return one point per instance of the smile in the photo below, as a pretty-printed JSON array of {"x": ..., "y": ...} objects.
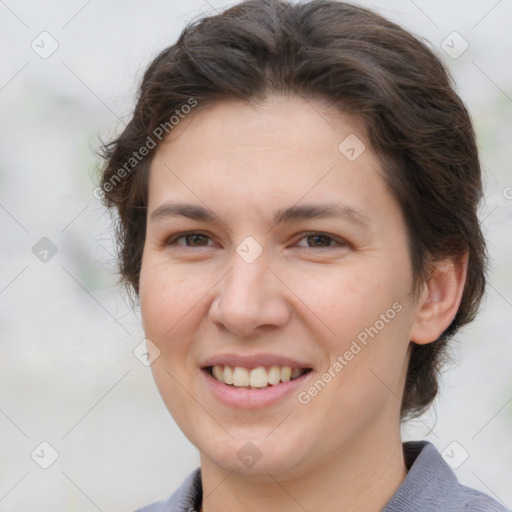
[{"x": 260, "y": 377}]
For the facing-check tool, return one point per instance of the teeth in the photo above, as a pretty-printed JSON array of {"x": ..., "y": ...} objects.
[
  {"x": 296, "y": 372},
  {"x": 286, "y": 373},
  {"x": 274, "y": 375},
  {"x": 218, "y": 373},
  {"x": 257, "y": 377},
  {"x": 240, "y": 376},
  {"x": 227, "y": 375}
]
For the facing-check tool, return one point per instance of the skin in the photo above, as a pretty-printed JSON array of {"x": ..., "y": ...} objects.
[{"x": 305, "y": 297}]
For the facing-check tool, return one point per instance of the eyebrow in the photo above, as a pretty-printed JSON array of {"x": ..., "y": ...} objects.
[{"x": 284, "y": 216}]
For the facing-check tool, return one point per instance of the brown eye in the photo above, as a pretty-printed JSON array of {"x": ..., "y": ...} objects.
[
  {"x": 196, "y": 239},
  {"x": 319, "y": 240},
  {"x": 190, "y": 240}
]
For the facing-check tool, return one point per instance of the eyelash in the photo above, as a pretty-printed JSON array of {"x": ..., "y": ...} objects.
[{"x": 340, "y": 243}]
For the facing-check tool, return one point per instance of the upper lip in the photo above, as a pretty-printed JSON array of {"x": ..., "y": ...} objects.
[{"x": 253, "y": 361}]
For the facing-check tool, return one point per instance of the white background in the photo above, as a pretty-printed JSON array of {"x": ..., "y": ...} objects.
[{"x": 68, "y": 375}]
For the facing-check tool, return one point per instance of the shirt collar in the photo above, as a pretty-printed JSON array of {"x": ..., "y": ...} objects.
[{"x": 429, "y": 480}]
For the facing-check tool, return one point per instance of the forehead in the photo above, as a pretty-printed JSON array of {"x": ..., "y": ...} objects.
[
  {"x": 283, "y": 123},
  {"x": 284, "y": 150}
]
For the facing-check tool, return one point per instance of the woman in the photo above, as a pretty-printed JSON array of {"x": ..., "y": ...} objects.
[{"x": 297, "y": 195}]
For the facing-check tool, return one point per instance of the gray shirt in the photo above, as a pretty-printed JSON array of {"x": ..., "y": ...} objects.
[{"x": 430, "y": 486}]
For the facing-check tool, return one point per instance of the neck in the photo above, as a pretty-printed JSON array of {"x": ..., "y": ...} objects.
[{"x": 362, "y": 477}]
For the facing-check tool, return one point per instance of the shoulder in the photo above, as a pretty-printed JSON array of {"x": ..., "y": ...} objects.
[
  {"x": 186, "y": 498},
  {"x": 431, "y": 485}
]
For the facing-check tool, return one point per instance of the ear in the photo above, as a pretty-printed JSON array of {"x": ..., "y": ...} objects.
[{"x": 439, "y": 300}]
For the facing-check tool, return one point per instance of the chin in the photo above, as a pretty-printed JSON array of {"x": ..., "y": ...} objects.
[{"x": 256, "y": 457}]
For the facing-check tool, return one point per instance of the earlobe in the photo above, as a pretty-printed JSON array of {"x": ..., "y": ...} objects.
[{"x": 440, "y": 299}]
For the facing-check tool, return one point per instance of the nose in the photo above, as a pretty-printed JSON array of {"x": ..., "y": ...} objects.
[{"x": 249, "y": 299}]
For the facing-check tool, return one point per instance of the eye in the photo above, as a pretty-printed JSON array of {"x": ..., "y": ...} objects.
[
  {"x": 319, "y": 240},
  {"x": 191, "y": 239}
]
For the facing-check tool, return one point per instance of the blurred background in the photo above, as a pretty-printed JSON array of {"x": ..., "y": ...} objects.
[{"x": 68, "y": 376}]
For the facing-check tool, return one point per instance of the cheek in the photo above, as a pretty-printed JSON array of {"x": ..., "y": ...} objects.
[
  {"x": 344, "y": 300},
  {"x": 364, "y": 315},
  {"x": 169, "y": 305},
  {"x": 168, "y": 301},
  {"x": 166, "y": 291}
]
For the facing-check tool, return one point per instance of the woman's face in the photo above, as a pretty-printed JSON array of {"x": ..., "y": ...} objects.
[{"x": 276, "y": 285}]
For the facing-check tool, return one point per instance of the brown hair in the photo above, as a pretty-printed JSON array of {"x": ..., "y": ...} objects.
[{"x": 357, "y": 62}]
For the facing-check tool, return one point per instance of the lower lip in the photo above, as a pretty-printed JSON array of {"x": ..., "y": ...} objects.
[{"x": 252, "y": 398}]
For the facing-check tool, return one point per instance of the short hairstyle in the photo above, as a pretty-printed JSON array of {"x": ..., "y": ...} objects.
[{"x": 353, "y": 61}]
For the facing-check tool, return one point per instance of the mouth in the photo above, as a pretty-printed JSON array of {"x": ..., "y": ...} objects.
[{"x": 259, "y": 378}]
